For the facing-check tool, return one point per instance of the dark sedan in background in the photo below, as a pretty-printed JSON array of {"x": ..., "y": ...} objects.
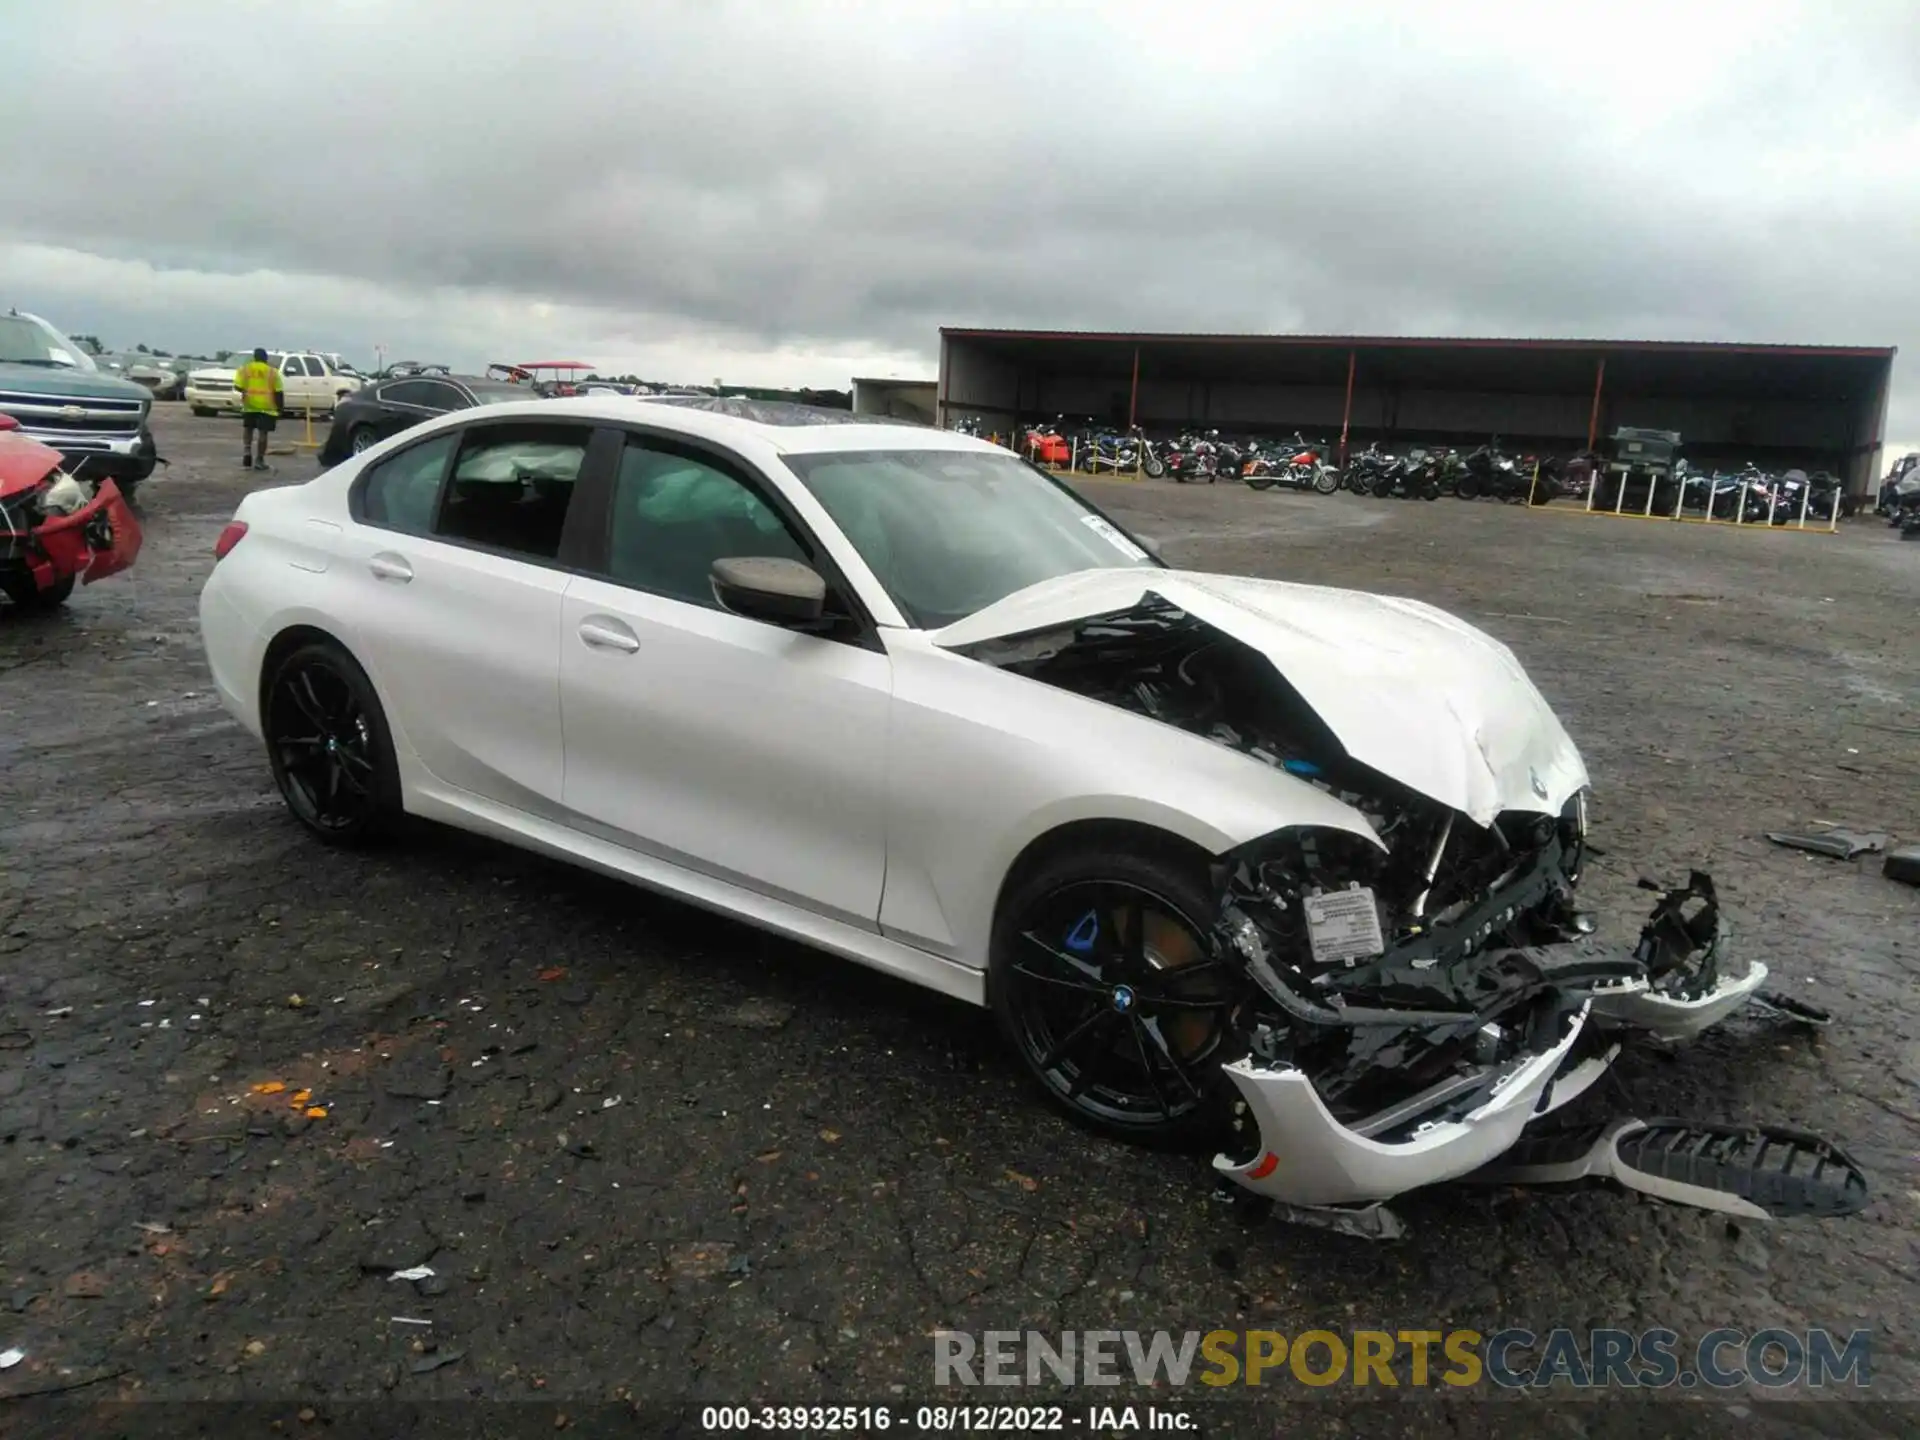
[{"x": 387, "y": 407}]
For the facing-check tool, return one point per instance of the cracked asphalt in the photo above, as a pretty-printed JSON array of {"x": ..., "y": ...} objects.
[{"x": 654, "y": 1158}]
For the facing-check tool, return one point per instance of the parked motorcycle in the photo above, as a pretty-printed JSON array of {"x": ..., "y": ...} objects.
[
  {"x": 1416, "y": 475},
  {"x": 1108, "y": 451},
  {"x": 1191, "y": 457},
  {"x": 1365, "y": 467},
  {"x": 1296, "y": 462},
  {"x": 1047, "y": 444}
]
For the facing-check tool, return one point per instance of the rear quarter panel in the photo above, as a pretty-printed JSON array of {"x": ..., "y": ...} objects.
[{"x": 282, "y": 574}]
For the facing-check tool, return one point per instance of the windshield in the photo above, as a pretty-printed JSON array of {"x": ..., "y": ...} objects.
[
  {"x": 949, "y": 532},
  {"x": 27, "y": 342}
]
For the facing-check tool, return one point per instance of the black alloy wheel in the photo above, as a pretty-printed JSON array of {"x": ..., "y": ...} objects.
[
  {"x": 361, "y": 438},
  {"x": 328, "y": 745},
  {"x": 1115, "y": 1001}
]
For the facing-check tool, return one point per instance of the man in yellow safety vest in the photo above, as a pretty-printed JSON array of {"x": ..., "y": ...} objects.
[{"x": 261, "y": 392}]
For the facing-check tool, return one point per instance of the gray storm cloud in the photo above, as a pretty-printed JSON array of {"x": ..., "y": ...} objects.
[{"x": 847, "y": 177}]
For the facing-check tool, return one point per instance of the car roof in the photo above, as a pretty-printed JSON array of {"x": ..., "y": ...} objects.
[
  {"x": 480, "y": 385},
  {"x": 790, "y": 429}
]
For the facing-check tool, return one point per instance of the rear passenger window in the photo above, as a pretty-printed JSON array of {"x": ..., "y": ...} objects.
[
  {"x": 511, "y": 486},
  {"x": 399, "y": 492}
]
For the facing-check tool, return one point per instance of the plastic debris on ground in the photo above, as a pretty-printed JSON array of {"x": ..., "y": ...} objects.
[
  {"x": 11, "y": 1358},
  {"x": 1903, "y": 865},
  {"x": 1839, "y": 842},
  {"x": 417, "y": 1272}
]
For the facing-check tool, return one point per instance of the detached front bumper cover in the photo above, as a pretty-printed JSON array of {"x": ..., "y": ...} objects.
[{"x": 1309, "y": 1158}]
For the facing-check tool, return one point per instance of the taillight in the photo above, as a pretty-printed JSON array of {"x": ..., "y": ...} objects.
[{"x": 231, "y": 536}]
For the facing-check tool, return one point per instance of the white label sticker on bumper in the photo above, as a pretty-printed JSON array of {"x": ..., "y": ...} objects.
[{"x": 1344, "y": 925}]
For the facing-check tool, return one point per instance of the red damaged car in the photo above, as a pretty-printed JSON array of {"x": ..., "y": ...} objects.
[{"x": 55, "y": 528}]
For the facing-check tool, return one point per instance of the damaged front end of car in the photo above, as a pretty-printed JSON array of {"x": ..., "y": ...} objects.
[
  {"x": 57, "y": 529},
  {"x": 1420, "y": 986}
]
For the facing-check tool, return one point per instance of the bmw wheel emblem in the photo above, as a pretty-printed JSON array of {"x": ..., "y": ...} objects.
[{"x": 1122, "y": 999}]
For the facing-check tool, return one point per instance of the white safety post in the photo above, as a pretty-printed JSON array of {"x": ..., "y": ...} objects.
[
  {"x": 1073, "y": 456},
  {"x": 1806, "y": 499},
  {"x": 1740, "y": 515},
  {"x": 1620, "y": 497},
  {"x": 1680, "y": 497},
  {"x": 1593, "y": 486},
  {"x": 1773, "y": 500},
  {"x": 1833, "y": 518},
  {"x": 1653, "y": 484}
]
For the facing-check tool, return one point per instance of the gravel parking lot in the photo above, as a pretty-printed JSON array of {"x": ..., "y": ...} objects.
[{"x": 652, "y": 1156}]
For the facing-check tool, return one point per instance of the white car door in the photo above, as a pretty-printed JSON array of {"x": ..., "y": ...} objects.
[
  {"x": 454, "y": 561},
  {"x": 736, "y": 747}
]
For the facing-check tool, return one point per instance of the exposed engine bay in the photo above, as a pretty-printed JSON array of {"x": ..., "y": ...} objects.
[{"x": 1404, "y": 1009}]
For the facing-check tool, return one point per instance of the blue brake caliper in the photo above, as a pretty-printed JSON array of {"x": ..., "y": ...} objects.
[{"x": 1080, "y": 939}]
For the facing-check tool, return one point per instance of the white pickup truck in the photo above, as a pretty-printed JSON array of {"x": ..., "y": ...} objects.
[{"x": 311, "y": 383}]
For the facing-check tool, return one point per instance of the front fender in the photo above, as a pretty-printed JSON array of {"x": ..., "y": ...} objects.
[{"x": 984, "y": 762}]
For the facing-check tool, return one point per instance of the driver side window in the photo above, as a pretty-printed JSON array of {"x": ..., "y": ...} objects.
[{"x": 675, "y": 513}]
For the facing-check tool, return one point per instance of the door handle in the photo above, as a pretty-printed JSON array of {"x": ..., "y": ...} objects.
[
  {"x": 390, "y": 567},
  {"x": 604, "y": 633}
]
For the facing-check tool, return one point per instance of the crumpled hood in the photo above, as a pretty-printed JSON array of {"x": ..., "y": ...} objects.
[
  {"x": 24, "y": 463},
  {"x": 1408, "y": 689}
]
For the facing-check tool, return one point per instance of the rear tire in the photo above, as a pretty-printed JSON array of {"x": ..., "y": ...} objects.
[
  {"x": 361, "y": 437},
  {"x": 329, "y": 746},
  {"x": 1102, "y": 980},
  {"x": 1262, "y": 481},
  {"x": 1468, "y": 487}
]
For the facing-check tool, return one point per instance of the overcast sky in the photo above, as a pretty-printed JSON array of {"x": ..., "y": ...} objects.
[{"x": 784, "y": 192}]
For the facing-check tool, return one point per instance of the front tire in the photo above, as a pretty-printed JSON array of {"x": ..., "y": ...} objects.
[
  {"x": 329, "y": 746},
  {"x": 1104, "y": 983},
  {"x": 30, "y": 599},
  {"x": 1155, "y": 468}
]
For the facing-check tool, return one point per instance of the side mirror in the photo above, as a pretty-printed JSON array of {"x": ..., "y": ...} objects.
[{"x": 781, "y": 592}]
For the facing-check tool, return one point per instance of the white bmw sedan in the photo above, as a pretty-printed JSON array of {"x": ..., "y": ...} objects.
[{"x": 1286, "y": 869}]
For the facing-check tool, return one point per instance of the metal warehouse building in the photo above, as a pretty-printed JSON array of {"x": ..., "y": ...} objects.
[{"x": 1818, "y": 407}]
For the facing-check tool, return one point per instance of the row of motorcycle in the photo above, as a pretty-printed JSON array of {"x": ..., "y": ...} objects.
[
  {"x": 1748, "y": 495},
  {"x": 1298, "y": 463},
  {"x": 1191, "y": 457}
]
